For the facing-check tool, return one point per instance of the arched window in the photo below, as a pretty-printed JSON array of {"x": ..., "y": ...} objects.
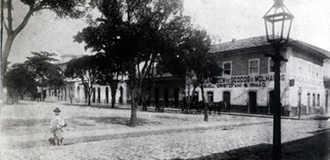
[
  {"x": 121, "y": 94},
  {"x": 313, "y": 99},
  {"x": 318, "y": 99},
  {"x": 107, "y": 95},
  {"x": 78, "y": 93},
  {"x": 98, "y": 95}
]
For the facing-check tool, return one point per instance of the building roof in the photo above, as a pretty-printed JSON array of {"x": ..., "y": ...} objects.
[
  {"x": 240, "y": 44},
  {"x": 262, "y": 41}
]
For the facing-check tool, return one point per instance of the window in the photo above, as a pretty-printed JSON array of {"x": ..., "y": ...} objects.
[
  {"x": 270, "y": 65},
  {"x": 318, "y": 99},
  {"x": 227, "y": 68},
  {"x": 254, "y": 66},
  {"x": 313, "y": 100}
]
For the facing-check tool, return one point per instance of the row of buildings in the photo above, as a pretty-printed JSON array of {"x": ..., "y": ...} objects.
[{"x": 246, "y": 85}]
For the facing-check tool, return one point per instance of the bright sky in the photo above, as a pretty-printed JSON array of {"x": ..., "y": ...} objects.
[{"x": 226, "y": 19}]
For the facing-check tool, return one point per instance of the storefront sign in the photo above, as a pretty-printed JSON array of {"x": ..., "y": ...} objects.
[{"x": 243, "y": 81}]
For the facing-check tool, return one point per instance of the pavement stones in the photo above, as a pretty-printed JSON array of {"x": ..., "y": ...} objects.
[{"x": 160, "y": 135}]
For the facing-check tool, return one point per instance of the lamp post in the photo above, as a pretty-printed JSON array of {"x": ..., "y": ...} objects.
[{"x": 278, "y": 20}]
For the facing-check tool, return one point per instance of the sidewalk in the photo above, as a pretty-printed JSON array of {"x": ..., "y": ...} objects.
[
  {"x": 87, "y": 123},
  {"x": 90, "y": 123},
  {"x": 102, "y": 133}
]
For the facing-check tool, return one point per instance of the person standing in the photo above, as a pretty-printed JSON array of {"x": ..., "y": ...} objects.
[{"x": 56, "y": 126}]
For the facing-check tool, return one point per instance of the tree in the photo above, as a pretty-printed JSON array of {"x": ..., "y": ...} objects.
[
  {"x": 62, "y": 8},
  {"x": 86, "y": 69},
  {"x": 18, "y": 80},
  {"x": 110, "y": 71},
  {"x": 132, "y": 31},
  {"x": 191, "y": 61},
  {"x": 46, "y": 73}
]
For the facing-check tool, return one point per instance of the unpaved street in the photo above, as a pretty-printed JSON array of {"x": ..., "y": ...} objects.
[{"x": 95, "y": 133}]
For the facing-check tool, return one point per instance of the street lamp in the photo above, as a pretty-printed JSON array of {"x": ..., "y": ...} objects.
[{"x": 278, "y": 20}]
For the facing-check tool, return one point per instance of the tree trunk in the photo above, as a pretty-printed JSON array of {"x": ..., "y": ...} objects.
[
  {"x": 206, "y": 113},
  {"x": 133, "y": 120},
  {"x": 143, "y": 98},
  {"x": 5, "y": 53},
  {"x": 88, "y": 98},
  {"x": 113, "y": 88}
]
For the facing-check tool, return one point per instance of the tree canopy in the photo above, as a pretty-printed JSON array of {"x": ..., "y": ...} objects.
[
  {"x": 37, "y": 70},
  {"x": 86, "y": 69},
  {"x": 191, "y": 61},
  {"x": 62, "y": 8},
  {"x": 133, "y": 33},
  {"x": 46, "y": 73},
  {"x": 18, "y": 80}
]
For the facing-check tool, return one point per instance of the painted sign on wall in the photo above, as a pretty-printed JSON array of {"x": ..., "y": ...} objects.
[{"x": 242, "y": 81}]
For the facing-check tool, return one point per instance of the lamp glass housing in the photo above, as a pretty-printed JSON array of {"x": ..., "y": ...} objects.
[{"x": 278, "y": 21}]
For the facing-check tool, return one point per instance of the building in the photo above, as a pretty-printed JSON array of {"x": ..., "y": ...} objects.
[
  {"x": 73, "y": 90},
  {"x": 247, "y": 82}
]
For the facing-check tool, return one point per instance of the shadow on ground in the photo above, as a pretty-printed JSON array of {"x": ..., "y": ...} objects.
[
  {"x": 103, "y": 106},
  {"x": 117, "y": 120},
  {"x": 316, "y": 147}
]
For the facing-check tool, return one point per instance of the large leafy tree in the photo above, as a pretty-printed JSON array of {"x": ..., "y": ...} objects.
[
  {"x": 111, "y": 72},
  {"x": 133, "y": 32},
  {"x": 18, "y": 80},
  {"x": 86, "y": 69},
  {"x": 46, "y": 73},
  {"x": 62, "y": 8},
  {"x": 191, "y": 61}
]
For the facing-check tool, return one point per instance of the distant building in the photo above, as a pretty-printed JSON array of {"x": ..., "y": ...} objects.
[
  {"x": 247, "y": 82},
  {"x": 74, "y": 91}
]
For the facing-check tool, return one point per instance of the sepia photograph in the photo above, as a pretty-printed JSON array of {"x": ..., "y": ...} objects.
[{"x": 165, "y": 80}]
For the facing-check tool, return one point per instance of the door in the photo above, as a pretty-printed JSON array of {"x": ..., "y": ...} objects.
[
  {"x": 157, "y": 97},
  {"x": 166, "y": 95},
  {"x": 176, "y": 97},
  {"x": 253, "y": 101},
  {"x": 226, "y": 101},
  {"x": 271, "y": 102},
  {"x": 98, "y": 95},
  {"x": 107, "y": 95}
]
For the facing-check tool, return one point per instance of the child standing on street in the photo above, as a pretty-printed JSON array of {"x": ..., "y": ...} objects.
[{"x": 56, "y": 127}]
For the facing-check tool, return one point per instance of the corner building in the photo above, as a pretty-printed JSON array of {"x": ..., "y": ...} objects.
[{"x": 247, "y": 82}]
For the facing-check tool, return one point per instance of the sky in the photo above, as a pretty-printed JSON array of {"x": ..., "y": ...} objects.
[{"x": 225, "y": 19}]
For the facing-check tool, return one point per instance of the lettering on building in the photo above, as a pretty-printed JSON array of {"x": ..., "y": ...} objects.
[{"x": 243, "y": 81}]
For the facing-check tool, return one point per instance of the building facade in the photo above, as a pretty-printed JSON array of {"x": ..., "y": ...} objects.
[
  {"x": 73, "y": 91},
  {"x": 247, "y": 82}
]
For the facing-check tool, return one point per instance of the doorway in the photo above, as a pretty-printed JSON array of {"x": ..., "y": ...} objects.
[
  {"x": 226, "y": 100},
  {"x": 156, "y": 97},
  {"x": 166, "y": 96},
  {"x": 271, "y": 102},
  {"x": 253, "y": 102},
  {"x": 106, "y": 95},
  {"x": 176, "y": 97}
]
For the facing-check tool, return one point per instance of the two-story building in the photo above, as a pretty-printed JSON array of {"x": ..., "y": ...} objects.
[{"x": 247, "y": 82}]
